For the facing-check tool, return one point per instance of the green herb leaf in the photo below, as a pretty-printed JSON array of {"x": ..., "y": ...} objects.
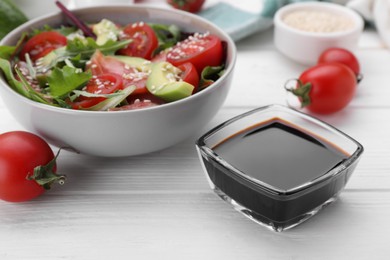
[
  {"x": 18, "y": 86},
  {"x": 81, "y": 48},
  {"x": 11, "y": 17},
  {"x": 167, "y": 35},
  {"x": 7, "y": 51},
  {"x": 63, "y": 81},
  {"x": 114, "y": 100},
  {"x": 209, "y": 75},
  {"x": 89, "y": 94}
]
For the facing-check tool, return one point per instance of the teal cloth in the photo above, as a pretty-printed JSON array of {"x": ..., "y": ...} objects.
[{"x": 239, "y": 23}]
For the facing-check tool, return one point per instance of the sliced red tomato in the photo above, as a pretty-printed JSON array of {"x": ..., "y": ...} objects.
[
  {"x": 41, "y": 44},
  {"x": 102, "y": 84},
  {"x": 200, "y": 49},
  {"x": 101, "y": 64},
  {"x": 189, "y": 74},
  {"x": 162, "y": 56},
  {"x": 144, "y": 40}
]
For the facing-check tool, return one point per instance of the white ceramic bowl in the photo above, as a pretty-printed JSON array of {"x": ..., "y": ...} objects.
[
  {"x": 122, "y": 133},
  {"x": 305, "y": 46}
]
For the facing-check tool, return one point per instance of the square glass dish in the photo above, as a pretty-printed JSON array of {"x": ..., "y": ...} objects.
[{"x": 276, "y": 165}]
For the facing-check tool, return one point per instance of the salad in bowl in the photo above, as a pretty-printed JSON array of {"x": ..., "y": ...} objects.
[
  {"x": 108, "y": 66},
  {"x": 104, "y": 87}
]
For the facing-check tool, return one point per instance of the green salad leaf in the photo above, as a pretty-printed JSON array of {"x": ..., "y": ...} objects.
[
  {"x": 66, "y": 79},
  {"x": 10, "y": 17},
  {"x": 167, "y": 35},
  {"x": 114, "y": 100},
  {"x": 7, "y": 51},
  {"x": 18, "y": 86},
  {"x": 22, "y": 87},
  {"x": 209, "y": 75},
  {"x": 83, "y": 48}
]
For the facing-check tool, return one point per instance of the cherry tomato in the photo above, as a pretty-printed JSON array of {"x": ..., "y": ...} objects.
[
  {"x": 192, "y": 6},
  {"x": 200, "y": 49},
  {"x": 189, "y": 74},
  {"x": 340, "y": 55},
  {"x": 326, "y": 88},
  {"x": 20, "y": 154},
  {"x": 41, "y": 44},
  {"x": 101, "y": 64},
  {"x": 144, "y": 40},
  {"x": 102, "y": 84}
]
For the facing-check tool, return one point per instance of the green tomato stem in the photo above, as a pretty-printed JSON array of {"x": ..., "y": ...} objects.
[
  {"x": 302, "y": 91},
  {"x": 45, "y": 176}
]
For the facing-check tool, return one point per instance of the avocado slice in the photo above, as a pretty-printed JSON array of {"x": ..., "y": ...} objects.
[
  {"x": 135, "y": 62},
  {"x": 165, "y": 83},
  {"x": 105, "y": 30}
]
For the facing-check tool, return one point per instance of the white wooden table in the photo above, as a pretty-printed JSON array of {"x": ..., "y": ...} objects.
[{"x": 159, "y": 206}]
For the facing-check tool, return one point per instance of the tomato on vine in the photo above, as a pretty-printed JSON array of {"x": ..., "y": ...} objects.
[
  {"x": 325, "y": 88},
  {"x": 27, "y": 166},
  {"x": 192, "y": 6}
]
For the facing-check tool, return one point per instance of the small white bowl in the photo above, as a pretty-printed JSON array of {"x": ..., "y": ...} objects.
[
  {"x": 304, "y": 46},
  {"x": 122, "y": 133}
]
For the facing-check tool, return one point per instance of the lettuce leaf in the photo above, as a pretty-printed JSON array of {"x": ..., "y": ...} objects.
[{"x": 65, "y": 80}]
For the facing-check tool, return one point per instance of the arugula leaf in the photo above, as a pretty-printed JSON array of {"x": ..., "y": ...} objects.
[
  {"x": 16, "y": 85},
  {"x": 88, "y": 46},
  {"x": 64, "y": 30},
  {"x": 63, "y": 81},
  {"x": 167, "y": 35},
  {"x": 83, "y": 48},
  {"x": 209, "y": 75},
  {"x": 33, "y": 94},
  {"x": 22, "y": 87},
  {"x": 114, "y": 100},
  {"x": 89, "y": 94},
  {"x": 6, "y": 51}
]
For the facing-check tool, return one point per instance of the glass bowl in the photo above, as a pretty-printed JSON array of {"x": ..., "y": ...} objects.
[{"x": 276, "y": 165}]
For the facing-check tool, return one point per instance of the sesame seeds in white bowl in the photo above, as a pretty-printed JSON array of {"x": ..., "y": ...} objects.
[{"x": 304, "y": 30}]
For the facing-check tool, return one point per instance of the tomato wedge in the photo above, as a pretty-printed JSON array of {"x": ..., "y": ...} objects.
[
  {"x": 102, "y": 84},
  {"x": 101, "y": 64},
  {"x": 41, "y": 44},
  {"x": 189, "y": 74},
  {"x": 200, "y": 49},
  {"x": 144, "y": 40}
]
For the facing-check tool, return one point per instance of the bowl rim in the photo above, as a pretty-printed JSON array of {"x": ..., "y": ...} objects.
[
  {"x": 268, "y": 188},
  {"x": 358, "y": 20},
  {"x": 25, "y": 27}
]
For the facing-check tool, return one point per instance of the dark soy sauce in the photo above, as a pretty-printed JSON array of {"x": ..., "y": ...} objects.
[{"x": 279, "y": 155}]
